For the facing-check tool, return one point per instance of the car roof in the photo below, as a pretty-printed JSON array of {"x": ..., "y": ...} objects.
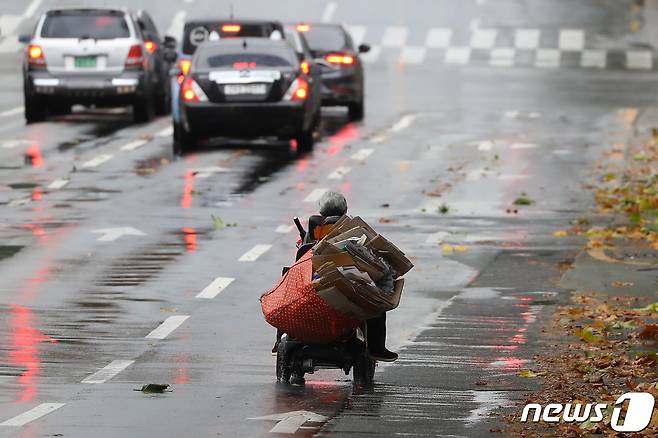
[
  {"x": 250, "y": 41},
  {"x": 204, "y": 21},
  {"x": 87, "y": 10}
]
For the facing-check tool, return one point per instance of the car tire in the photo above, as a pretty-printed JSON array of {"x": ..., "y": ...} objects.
[
  {"x": 184, "y": 141},
  {"x": 35, "y": 110},
  {"x": 143, "y": 109},
  {"x": 305, "y": 140},
  {"x": 356, "y": 110}
]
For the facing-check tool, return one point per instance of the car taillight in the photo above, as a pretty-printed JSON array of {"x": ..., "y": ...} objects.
[
  {"x": 242, "y": 65},
  {"x": 231, "y": 28},
  {"x": 305, "y": 67},
  {"x": 191, "y": 92},
  {"x": 303, "y": 27},
  {"x": 150, "y": 46},
  {"x": 339, "y": 59},
  {"x": 298, "y": 90},
  {"x": 135, "y": 58},
  {"x": 35, "y": 56}
]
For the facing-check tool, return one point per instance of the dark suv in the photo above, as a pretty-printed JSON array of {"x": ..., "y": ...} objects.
[{"x": 102, "y": 57}]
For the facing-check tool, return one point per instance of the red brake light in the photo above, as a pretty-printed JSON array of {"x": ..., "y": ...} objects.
[
  {"x": 35, "y": 56},
  {"x": 150, "y": 46},
  {"x": 185, "y": 65},
  {"x": 302, "y": 27},
  {"x": 242, "y": 65},
  {"x": 305, "y": 67},
  {"x": 135, "y": 58},
  {"x": 191, "y": 92},
  {"x": 298, "y": 91},
  {"x": 339, "y": 59},
  {"x": 231, "y": 28}
]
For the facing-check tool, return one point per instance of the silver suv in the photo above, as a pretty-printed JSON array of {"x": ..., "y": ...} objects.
[{"x": 102, "y": 57}]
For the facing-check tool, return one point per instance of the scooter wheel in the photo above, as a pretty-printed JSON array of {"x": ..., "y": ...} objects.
[
  {"x": 283, "y": 370},
  {"x": 363, "y": 371}
]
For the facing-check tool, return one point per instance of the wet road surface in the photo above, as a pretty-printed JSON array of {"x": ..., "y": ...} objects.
[{"x": 122, "y": 265}]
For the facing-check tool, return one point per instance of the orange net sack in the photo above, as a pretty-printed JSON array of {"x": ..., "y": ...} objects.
[{"x": 293, "y": 306}]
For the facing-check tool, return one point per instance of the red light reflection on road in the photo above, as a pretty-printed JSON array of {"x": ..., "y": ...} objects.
[
  {"x": 181, "y": 373},
  {"x": 189, "y": 234},
  {"x": 36, "y": 194},
  {"x": 33, "y": 154},
  {"x": 24, "y": 340},
  {"x": 188, "y": 190},
  {"x": 338, "y": 140}
]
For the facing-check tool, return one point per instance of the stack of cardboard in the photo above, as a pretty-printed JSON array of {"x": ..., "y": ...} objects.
[{"x": 357, "y": 271}]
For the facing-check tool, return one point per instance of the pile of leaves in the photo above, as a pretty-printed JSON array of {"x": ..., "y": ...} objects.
[{"x": 611, "y": 350}]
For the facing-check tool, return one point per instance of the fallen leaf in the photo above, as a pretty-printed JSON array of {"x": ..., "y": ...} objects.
[
  {"x": 650, "y": 331},
  {"x": 523, "y": 200},
  {"x": 529, "y": 374},
  {"x": 447, "y": 248},
  {"x": 560, "y": 233},
  {"x": 587, "y": 335},
  {"x": 619, "y": 283}
]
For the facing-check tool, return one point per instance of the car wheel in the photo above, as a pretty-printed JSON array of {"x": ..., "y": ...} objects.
[
  {"x": 183, "y": 140},
  {"x": 143, "y": 109},
  {"x": 305, "y": 140},
  {"x": 356, "y": 110},
  {"x": 35, "y": 110}
]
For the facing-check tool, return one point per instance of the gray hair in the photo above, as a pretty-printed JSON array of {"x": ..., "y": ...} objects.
[{"x": 332, "y": 204}]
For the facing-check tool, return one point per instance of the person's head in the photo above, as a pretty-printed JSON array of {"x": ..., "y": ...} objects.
[{"x": 332, "y": 204}]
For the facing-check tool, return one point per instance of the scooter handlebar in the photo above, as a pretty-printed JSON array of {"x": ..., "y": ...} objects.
[{"x": 300, "y": 227}]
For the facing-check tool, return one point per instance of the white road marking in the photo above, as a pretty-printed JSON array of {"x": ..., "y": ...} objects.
[
  {"x": 358, "y": 33},
  {"x": 502, "y": 57},
  {"x": 290, "y": 422},
  {"x": 547, "y": 58},
  {"x": 512, "y": 176},
  {"x": 593, "y": 59},
  {"x": 526, "y": 39},
  {"x": 10, "y": 144},
  {"x": 436, "y": 238},
  {"x": 412, "y": 55},
  {"x": 168, "y": 325},
  {"x": 58, "y": 184},
  {"x": 12, "y": 112},
  {"x": 362, "y": 154},
  {"x": 524, "y": 146},
  {"x": 562, "y": 152},
  {"x": 31, "y": 8},
  {"x": 284, "y": 229},
  {"x": 315, "y": 195},
  {"x": 109, "y": 371},
  {"x": 483, "y": 38},
  {"x": 329, "y": 11},
  {"x": 255, "y": 252},
  {"x": 485, "y": 145},
  {"x": 438, "y": 38},
  {"x": 176, "y": 26},
  {"x": 512, "y": 114},
  {"x": 572, "y": 40},
  {"x": 97, "y": 161},
  {"x": 33, "y": 414},
  {"x": 340, "y": 172},
  {"x": 372, "y": 55},
  {"x": 395, "y": 36},
  {"x": 457, "y": 55},
  {"x": 131, "y": 146},
  {"x": 18, "y": 202},
  {"x": 639, "y": 60},
  {"x": 111, "y": 234},
  {"x": 214, "y": 288},
  {"x": 474, "y": 24},
  {"x": 404, "y": 122},
  {"x": 166, "y": 132}
]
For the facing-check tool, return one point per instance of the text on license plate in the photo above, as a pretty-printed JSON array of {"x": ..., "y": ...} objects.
[
  {"x": 85, "y": 61},
  {"x": 233, "y": 89}
]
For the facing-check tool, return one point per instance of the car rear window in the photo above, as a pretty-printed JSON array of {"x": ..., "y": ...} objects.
[
  {"x": 243, "y": 60},
  {"x": 196, "y": 34},
  {"x": 326, "y": 39},
  {"x": 99, "y": 26}
]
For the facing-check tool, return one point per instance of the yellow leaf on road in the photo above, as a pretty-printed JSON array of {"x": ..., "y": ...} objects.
[{"x": 560, "y": 233}]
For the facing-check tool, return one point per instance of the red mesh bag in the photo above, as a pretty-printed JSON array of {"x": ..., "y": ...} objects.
[{"x": 293, "y": 306}]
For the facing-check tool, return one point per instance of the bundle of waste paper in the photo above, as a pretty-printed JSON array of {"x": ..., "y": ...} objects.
[{"x": 351, "y": 275}]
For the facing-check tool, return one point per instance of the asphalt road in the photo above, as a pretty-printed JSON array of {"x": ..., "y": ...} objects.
[{"x": 109, "y": 250}]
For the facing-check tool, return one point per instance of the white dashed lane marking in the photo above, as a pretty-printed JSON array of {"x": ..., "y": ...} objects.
[
  {"x": 639, "y": 60},
  {"x": 329, "y": 11},
  {"x": 572, "y": 40},
  {"x": 32, "y": 414},
  {"x": 131, "y": 146},
  {"x": 362, "y": 154},
  {"x": 523, "y": 146},
  {"x": 109, "y": 371},
  {"x": 340, "y": 172},
  {"x": 254, "y": 253},
  {"x": 95, "y": 162},
  {"x": 526, "y": 39},
  {"x": 412, "y": 55},
  {"x": 215, "y": 288},
  {"x": 547, "y": 58},
  {"x": 458, "y": 55},
  {"x": 395, "y": 36},
  {"x": 58, "y": 184},
  {"x": 315, "y": 195},
  {"x": 438, "y": 38},
  {"x": 166, "y": 132},
  {"x": 284, "y": 229},
  {"x": 169, "y": 325}
]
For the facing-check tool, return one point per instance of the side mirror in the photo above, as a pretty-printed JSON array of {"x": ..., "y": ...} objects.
[
  {"x": 364, "y": 48},
  {"x": 170, "y": 55},
  {"x": 169, "y": 42},
  {"x": 25, "y": 39}
]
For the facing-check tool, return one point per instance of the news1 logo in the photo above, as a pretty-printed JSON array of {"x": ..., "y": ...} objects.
[{"x": 637, "y": 418}]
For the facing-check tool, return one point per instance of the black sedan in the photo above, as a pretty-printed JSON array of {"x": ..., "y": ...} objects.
[
  {"x": 247, "y": 88},
  {"x": 341, "y": 68}
]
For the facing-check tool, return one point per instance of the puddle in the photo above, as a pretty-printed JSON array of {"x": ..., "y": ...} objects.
[
  {"x": 7, "y": 251},
  {"x": 23, "y": 185}
]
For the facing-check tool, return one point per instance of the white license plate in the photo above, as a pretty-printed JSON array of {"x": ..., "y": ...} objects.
[{"x": 234, "y": 89}]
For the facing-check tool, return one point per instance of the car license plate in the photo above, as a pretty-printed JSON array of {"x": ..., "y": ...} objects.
[
  {"x": 234, "y": 89},
  {"x": 85, "y": 62}
]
